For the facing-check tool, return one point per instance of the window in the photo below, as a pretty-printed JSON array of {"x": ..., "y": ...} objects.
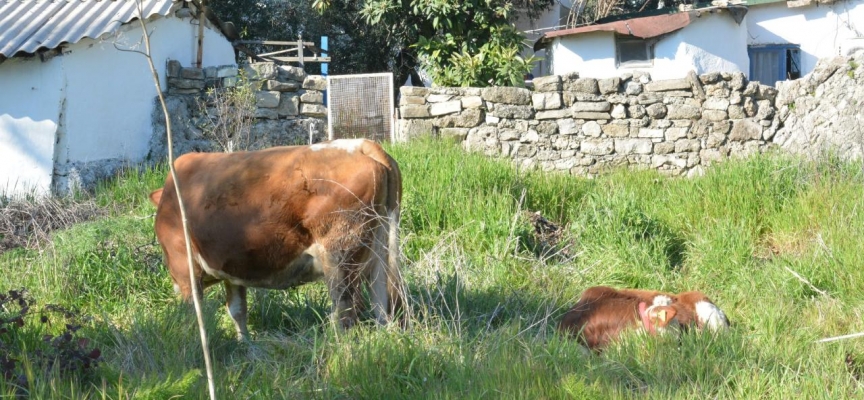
[
  {"x": 774, "y": 62},
  {"x": 633, "y": 52}
]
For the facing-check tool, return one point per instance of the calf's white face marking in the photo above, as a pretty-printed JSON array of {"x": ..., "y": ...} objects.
[
  {"x": 662, "y": 300},
  {"x": 710, "y": 316}
]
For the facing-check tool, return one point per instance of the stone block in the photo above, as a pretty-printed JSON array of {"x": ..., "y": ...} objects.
[
  {"x": 591, "y": 115},
  {"x": 745, "y": 129},
  {"x": 609, "y": 85},
  {"x": 716, "y": 103},
  {"x": 192, "y": 73},
  {"x": 711, "y": 77},
  {"x": 414, "y": 111},
  {"x": 616, "y": 129},
  {"x": 226, "y": 71},
  {"x": 583, "y": 85},
  {"x": 676, "y": 111},
  {"x": 656, "y": 110},
  {"x": 687, "y": 145},
  {"x": 180, "y": 83},
  {"x": 267, "y": 99},
  {"x": 261, "y": 71},
  {"x": 714, "y": 115},
  {"x": 172, "y": 69},
  {"x": 592, "y": 129},
  {"x": 551, "y": 83},
  {"x": 312, "y": 96},
  {"x": 472, "y": 102},
  {"x": 289, "y": 105},
  {"x": 438, "y": 98},
  {"x": 552, "y": 114},
  {"x": 414, "y": 91},
  {"x": 567, "y": 126},
  {"x": 664, "y": 147},
  {"x": 673, "y": 134},
  {"x": 649, "y": 98},
  {"x": 597, "y": 147},
  {"x": 313, "y": 110},
  {"x": 651, "y": 133},
  {"x": 279, "y": 86},
  {"x": 466, "y": 119},
  {"x": 586, "y": 106},
  {"x": 507, "y": 95},
  {"x": 415, "y": 100},
  {"x": 315, "y": 82},
  {"x": 513, "y": 111},
  {"x": 546, "y": 101},
  {"x": 415, "y": 128},
  {"x": 666, "y": 85},
  {"x": 633, "y": 88},
  {"x": 448, "y": 107},
  {"x": 633, "y": 146}
]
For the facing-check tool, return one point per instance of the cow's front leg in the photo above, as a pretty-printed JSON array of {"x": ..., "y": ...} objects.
[{"x": 236, "y": 304}]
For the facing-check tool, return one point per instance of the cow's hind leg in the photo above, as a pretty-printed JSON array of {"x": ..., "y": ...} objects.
[
  {"x": 341, "y": 286},
  {"x": 236, "y": 304}
]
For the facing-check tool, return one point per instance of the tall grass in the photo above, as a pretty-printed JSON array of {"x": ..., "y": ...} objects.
[{"x": 486, "y": 305}]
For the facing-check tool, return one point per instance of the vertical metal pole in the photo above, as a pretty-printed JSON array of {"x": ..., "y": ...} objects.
[
  {"x": 200, "y": 60},
  {"x": 300, "y": 52}
]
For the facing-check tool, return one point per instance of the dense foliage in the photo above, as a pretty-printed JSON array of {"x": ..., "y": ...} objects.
[{"x": 457, "y": 43}]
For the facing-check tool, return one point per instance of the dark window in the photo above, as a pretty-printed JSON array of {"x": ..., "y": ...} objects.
[
  {"x": 774, "y": 62},
  {"x": 632, "y": 51}
]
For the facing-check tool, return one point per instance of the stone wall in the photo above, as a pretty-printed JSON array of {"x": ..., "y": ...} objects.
[
  {"x": 585, "y": 126},
  {"x": 290, "y": 106}
]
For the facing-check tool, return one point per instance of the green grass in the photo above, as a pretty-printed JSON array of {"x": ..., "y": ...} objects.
[{"x": 485, "y": 305}]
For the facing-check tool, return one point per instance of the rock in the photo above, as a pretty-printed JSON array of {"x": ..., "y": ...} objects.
[
  {"x": 716, "y": 103},
  {"x": 597, "y": 147},
  {"x": 745, "y": 129},
  {"x": 546, "y": 101},
  {"x": 315, "y": 82},
  {"x": 592, "y": 128},
  {"x": 583, "y": 85},
  {"x": 438, "y": 98},
  {"x": 669, "y": 84},
  {"x": 674, "y": 111},
  {"x": 550, "y": 83},
  {"x": 512, "y": 111},
  {"x": 472, "y": 102},
  {"x": 591, "y": 106},
  {"x": 553, "y": 114},
  {"x": 313, "y": 110},
  {"x": 278, "y": 86},
  {"x": 507, "y": 95},
  {"x": 633, "y": 88},
  {"x": 267, "y": 99},
  {"x": 289, "y": 105},
  {"x": 633, "y": 146},
  {"x": 609, "y": 85},
  {"x": 414, "y": 91},
  {"x": 656, "y": 110},
  {"x": 287, "y": 72},
  {"x": 448, "y": 107},
  {"x": 414, "y": 111},
  {"x": 415, "y": 100}
]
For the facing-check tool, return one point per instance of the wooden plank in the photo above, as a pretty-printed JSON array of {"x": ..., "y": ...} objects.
[
  {"x": 272, "y": 42},
  {"x": 297, "y": 59},
  {"x": 278, "y": 52}
]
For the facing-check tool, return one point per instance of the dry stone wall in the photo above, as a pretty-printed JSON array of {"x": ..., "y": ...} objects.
[
  {"x": 289, "y": 106},
  {"x": 584, "y": 126}
]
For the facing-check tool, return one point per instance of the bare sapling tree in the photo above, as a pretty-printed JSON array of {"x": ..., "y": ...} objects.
[
  {"x": 228, "y": 114},
  {"x": 195, "y": 283}
]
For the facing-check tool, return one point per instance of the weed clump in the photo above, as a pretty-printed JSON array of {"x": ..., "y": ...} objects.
[
  {"x": 28, "y": 222},
  {"x": 65, "y": 353}
]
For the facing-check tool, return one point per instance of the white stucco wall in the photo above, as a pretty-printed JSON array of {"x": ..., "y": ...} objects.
[
  {"x": 695, "y": 47},
  {"x": 819, "y": 30},
  {"x": 92, "y": 103}
]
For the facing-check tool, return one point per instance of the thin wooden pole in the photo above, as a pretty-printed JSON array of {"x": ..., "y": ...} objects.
[{"x": 195, "y": 290}]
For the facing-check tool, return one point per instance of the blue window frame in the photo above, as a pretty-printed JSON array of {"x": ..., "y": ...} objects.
[{"x": 770, "y": 63}]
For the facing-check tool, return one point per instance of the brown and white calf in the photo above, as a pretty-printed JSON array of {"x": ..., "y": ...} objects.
[{"x": 602, "y": 313}]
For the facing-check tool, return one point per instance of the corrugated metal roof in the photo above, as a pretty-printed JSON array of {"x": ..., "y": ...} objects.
[{"x": 27, "y": 26}]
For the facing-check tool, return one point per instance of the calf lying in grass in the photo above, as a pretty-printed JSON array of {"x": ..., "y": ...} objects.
[{"x": 602, "y": 313}]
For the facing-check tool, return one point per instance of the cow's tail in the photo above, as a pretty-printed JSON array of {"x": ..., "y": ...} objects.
[{"x": 397, "y": 292}]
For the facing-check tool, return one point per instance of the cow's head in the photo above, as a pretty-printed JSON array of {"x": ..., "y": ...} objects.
[{"x": 691, "y": 309}]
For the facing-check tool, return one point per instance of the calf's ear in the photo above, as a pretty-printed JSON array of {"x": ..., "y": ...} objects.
[
  {"x": 156, "y": 197},
  {"x": 660, "y": 316}
]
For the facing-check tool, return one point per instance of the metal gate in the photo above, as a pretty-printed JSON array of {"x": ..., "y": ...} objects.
[{"x": 360, "y": 106}]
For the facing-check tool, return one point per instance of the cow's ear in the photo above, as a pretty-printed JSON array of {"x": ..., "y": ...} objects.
[
  {"x": 660, "y": 316},
  {"x": 156, "y": 197}
]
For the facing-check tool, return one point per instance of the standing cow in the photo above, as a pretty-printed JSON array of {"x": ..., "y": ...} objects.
[{"x": 285, "y": 216}]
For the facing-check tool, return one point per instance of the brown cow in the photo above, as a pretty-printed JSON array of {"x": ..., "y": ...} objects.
[
  {"x": 285, "y": 216},
  {"x": 602, "y": 313}
]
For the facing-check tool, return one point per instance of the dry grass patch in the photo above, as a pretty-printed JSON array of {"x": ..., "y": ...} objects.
[{"x": 29, "y": 222}]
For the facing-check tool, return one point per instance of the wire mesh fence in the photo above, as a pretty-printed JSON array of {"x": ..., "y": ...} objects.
[{"x": 360, "y": 106}]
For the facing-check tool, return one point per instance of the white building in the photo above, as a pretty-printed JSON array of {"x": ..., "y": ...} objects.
[
  {"x": 768, "y": 40},
  {"x": 72, "y": 102}
]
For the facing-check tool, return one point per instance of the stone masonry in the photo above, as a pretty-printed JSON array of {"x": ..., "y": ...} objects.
[
  {"x": 584, "y": 126},
  {"x": 290, "y": 106}
]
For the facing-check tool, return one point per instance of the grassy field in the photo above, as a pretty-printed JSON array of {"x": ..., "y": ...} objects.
[{"x": 486, "y": 294}]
